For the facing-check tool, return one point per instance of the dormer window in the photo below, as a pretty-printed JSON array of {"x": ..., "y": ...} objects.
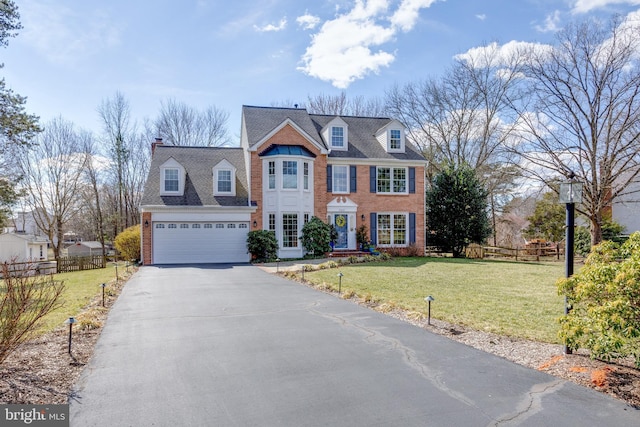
[
  {"x": 171, "y": 180},
  {"x": 172, "y": 177},
  {"x": 224, "y": 179},
  {"x": 395, "y": 141},
  {"x": 337, "y": 137}
]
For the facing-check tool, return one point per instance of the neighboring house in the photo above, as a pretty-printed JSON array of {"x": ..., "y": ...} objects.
[
  {"x": 626, "y": 209},
  {"x": 200, "y": 203},
  {"x": 25, "y": 223},
  {"x": 22, "y": 247},
  {"x": 84, "y": 249}
]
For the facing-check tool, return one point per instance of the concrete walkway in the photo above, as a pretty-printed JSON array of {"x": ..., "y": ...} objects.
[{"x": 235, "y": 346}]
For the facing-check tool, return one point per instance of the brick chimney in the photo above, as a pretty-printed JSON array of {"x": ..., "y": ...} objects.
[{"x": 154, "y": 144}]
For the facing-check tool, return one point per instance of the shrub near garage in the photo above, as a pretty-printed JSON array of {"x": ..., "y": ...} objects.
[
  {"x": 262, "y": 245},
  {"x": 605, "y": 301},
  {"x": 128, "y": 243}
]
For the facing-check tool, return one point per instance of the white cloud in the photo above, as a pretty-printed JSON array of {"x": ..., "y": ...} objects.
[
  {"x": 271, "y": 27},
  {"x": 308, "y": 22},
  {"x": 584, "y": 6},
  {"x": 342, "y": 50},
  {"x": 551, "y": 23},
  {"x": 65, "y": 36},
  {"x": 481, "y": 16},
  {"x": 494, "y": 55}
]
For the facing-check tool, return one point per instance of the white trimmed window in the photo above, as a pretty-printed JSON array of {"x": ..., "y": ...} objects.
[
  {"x": 340, "y": 179},
  {"x": 224, "y": 181},
  {"x": 272, "y": 175},
  {"x": 290, "y": 230},
  {"x": 289, "y": 174},
  {"x": 392, "y": 180},
  {"x": 392, "y": 229},
  {"x": 337, "y": 137},
  {"x": 395, "y": 140},
  {"x": 224, "y": 177},
  {"x": 305, "y": 175},
  {"x": 272, "y": 222},
  {"x": 171, "y": 180}
]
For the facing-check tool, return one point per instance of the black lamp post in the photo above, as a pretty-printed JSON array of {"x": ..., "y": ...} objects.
[
  {"x": 103, "y": 286},
  {"x": 70, "y": 321},
  {"x": 340, "y": 283},
  {"x": 570, "y": 194},
  {"x": 428, "y": 300}
]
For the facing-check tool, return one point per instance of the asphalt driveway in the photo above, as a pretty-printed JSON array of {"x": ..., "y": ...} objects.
[{"x": 235, "y": 346}]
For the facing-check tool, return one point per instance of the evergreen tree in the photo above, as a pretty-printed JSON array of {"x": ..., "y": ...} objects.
[{"x": 457, "y": 210}]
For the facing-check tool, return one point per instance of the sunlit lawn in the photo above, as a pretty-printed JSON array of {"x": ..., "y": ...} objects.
[
  {"x": 80, "y": 288},
  {"x": 509, "y": 298}
]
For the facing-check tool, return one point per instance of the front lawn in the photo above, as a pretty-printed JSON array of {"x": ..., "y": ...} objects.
[{"x": 508, "y": 298}]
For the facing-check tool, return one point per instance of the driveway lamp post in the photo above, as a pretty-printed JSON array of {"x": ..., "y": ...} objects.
[
  {"x": 340, "y": 283},
  {"x": 428, "y": 300},
  {"x": 570, "y": 194},
  {"x": 277, "y": 265},
  {"x": 70, "y": 321}
]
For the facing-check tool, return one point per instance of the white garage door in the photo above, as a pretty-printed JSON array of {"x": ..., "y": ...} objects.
[{"x": 200, "y": 242}]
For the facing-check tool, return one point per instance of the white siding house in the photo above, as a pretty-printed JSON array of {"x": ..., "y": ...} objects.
[{"x": 22, "y": 247}]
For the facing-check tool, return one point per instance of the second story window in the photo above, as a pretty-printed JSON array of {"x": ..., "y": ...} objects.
[
  {"x": 392, "y": 180},
  {"x": 305, "y": 175},
  {"x": 289, "y": 174},
  {"x": 171, "y": 180},
  {"x": 337, "y": 137},
  {"x": 272, "y": 175},
  {"x": 340, "y": 179}
]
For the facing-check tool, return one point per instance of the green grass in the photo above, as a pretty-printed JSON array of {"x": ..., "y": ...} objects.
[
  {"x": 80, "y": 288},
  {"x": 508, "y": 298}
]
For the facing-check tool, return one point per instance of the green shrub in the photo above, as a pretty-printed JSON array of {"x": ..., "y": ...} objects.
[
  {"x": 605, "y": 300},
  {"x": 128, "y": 243},
  {"x": 316, "y": 236},
  {"x": 262, "y": 245},
  {"x": 611, "y": 230}
]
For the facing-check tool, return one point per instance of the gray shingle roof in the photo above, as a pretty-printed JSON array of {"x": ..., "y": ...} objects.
[
  {"x": 198, "y": 163},
  {"x": 262, "y": 120},
  {"x": 362, "y": 141}
]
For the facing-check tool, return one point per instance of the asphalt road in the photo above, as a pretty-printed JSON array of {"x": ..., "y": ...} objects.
[{"x": 235, "y": 346}]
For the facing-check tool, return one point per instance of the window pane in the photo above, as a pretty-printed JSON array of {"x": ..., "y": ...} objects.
[
  {"x": 340, "y": 180},
  {"x": 272, "y": 175},
  {"x": 399, "y": 180},
  {"x": 272, "y": 222},
  {"x": 399, "y": 229},
  {"x": 224, "y": 181},
  {"x": 171, "y": 180},
  {"x": 290, "y": 230},
  {"x": 384, "y": 180},
  {"x": 306, "y": 175},
  {"x": 384, "y": 229},
  {"x": 394, "y": 142},
  {"x": 337, "y": 137},
  {"x": 289, "y": 174}
]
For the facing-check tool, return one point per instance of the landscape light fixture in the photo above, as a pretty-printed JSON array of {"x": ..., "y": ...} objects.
[
  {"x": 340, "y": 283},
  {"x": 570, "y": 194},
  {"x": 70, "y": 321},
  {"x": 428, "y": 300},
  {"x": 104, "y": 285},
  {"x": 277, "y": 265}
]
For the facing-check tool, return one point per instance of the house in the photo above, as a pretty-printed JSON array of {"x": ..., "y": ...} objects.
[
  {"x": 84, "y": 248},
  {"x": 199, "y": 203},
  {"x": 20, "y": 247},
  {"x": 625, "y": 209}
]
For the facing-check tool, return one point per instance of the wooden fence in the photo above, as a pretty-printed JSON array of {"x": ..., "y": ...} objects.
[
  {"x": 516, "y": 254},
  {"x": 80, "y": 263}
]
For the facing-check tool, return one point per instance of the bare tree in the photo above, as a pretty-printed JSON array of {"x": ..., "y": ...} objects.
[
  {"x": 115, "y": 114},
  {"x": 181, "y": 124},
  {"x": 93, "y": 177},
  {"x": 584, "y": 114},
  {"x": 53, "y": 171},
  {"x": 340, "y": 105}
]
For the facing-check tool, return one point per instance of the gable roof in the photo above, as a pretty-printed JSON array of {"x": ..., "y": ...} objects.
[
  {"x": 198, "y": 163},
  {"x": 260, "y": 122}
]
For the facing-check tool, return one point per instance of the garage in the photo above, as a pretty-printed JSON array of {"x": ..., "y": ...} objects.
[{"x": 200, "y": 242}]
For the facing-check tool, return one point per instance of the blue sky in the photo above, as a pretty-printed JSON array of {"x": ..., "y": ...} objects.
[{"x": 73, "y": 54}]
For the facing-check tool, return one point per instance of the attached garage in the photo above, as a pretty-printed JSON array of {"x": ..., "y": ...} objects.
[{"x": 200, "y": 242}]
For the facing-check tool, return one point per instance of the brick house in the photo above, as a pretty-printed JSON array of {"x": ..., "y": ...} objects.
[{"x": 199, "y": 203}]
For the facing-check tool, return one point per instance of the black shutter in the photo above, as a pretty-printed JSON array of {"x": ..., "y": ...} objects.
[
  {"x": 412, "y": 180},
  {"x": 353, "y": 179},
  {"x": 374, "y": 228},
  {"x": 412, "y": 228},
  {"x": 372, "y": 179},
  {"x": 329, "y": 179}
]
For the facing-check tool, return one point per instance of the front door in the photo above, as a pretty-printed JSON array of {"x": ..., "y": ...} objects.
[{"x": 342, "y": 227}]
